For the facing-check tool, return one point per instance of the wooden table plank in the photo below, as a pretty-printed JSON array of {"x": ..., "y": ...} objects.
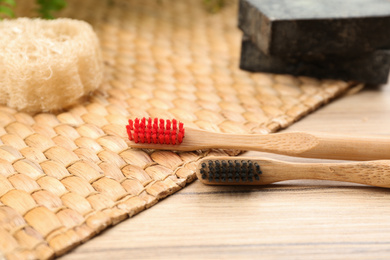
[{"x": 300, "y": 219}]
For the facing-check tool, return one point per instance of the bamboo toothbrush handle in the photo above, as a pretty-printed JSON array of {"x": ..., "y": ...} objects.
[
  {"x": 308, "y": 145},
  {"x": 375, "y": 173},
  {"x": 327, "y": 146}
]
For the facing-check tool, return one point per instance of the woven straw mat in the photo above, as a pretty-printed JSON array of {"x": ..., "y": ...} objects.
[{"x": 65, "y": 177}]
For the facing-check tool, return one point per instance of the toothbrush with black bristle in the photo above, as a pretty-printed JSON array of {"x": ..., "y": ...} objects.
[
  {"x": 171, "y": 135},
  {"x": 263, "y": 171}
]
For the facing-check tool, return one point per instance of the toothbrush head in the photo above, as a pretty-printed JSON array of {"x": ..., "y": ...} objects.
[
  {"x": 228, "y": 171},
  {"x": 156, "y": 131}
]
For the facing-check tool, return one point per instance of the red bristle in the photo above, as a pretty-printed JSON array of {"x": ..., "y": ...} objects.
[
  {"x": 155, "y": 123},
  {"x": 167, "y": 136},
  {"x": 173, "y": 137},
  {"x": 154, "y": 136},
  {"x": 158, "y": 131},
  {"x": 142, "y": 124},
  {"x": 179, "y": 137},
  {"x": 148, "y": 136},
  {"x": 161, "y": 139},
  {"x": 162, "y": 121},
  {"x": 136, "y": 137},
  {"x": 161, "y": 131},
  {"x": 128, "y": 129},
  {"x": 131, "y": 125}
]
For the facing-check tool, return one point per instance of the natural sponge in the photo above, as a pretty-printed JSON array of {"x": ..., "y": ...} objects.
[{"x": 47, "y": 65}]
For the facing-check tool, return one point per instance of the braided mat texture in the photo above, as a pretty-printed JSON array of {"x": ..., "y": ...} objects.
[{"x": 65, "y": 177}]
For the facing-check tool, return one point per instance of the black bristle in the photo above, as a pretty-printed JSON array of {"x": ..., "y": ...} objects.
[
  {"x": 237, "y": 163},
  {"x": 231, "y": 165},
  {"x": 257, "y": 166},
  {"x": 237, "y": 171},
  {"x": 243, "y": 163}
]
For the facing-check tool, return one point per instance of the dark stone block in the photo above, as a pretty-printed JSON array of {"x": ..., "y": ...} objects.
[
  {"x": 316, "y": 28},
  {"x": 372, "y": 68}
]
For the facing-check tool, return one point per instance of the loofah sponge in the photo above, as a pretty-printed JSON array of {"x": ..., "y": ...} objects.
[{"x": 47, "y": 65}]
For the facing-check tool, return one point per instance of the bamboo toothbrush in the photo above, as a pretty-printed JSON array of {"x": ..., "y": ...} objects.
[
  {"x": 262, "y": 171},
  {"x": 169, "y": 135}
]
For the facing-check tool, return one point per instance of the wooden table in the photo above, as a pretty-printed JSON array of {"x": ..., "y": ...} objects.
[{"x": 292, "y": 220}]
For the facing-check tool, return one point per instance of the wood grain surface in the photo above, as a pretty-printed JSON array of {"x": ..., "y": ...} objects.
[{"x": 300, "y": 219}]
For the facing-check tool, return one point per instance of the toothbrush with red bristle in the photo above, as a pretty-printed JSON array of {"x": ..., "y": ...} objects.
[
  {"x": 157, "y": 131},
  {"x": 171, "y": 135}
]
